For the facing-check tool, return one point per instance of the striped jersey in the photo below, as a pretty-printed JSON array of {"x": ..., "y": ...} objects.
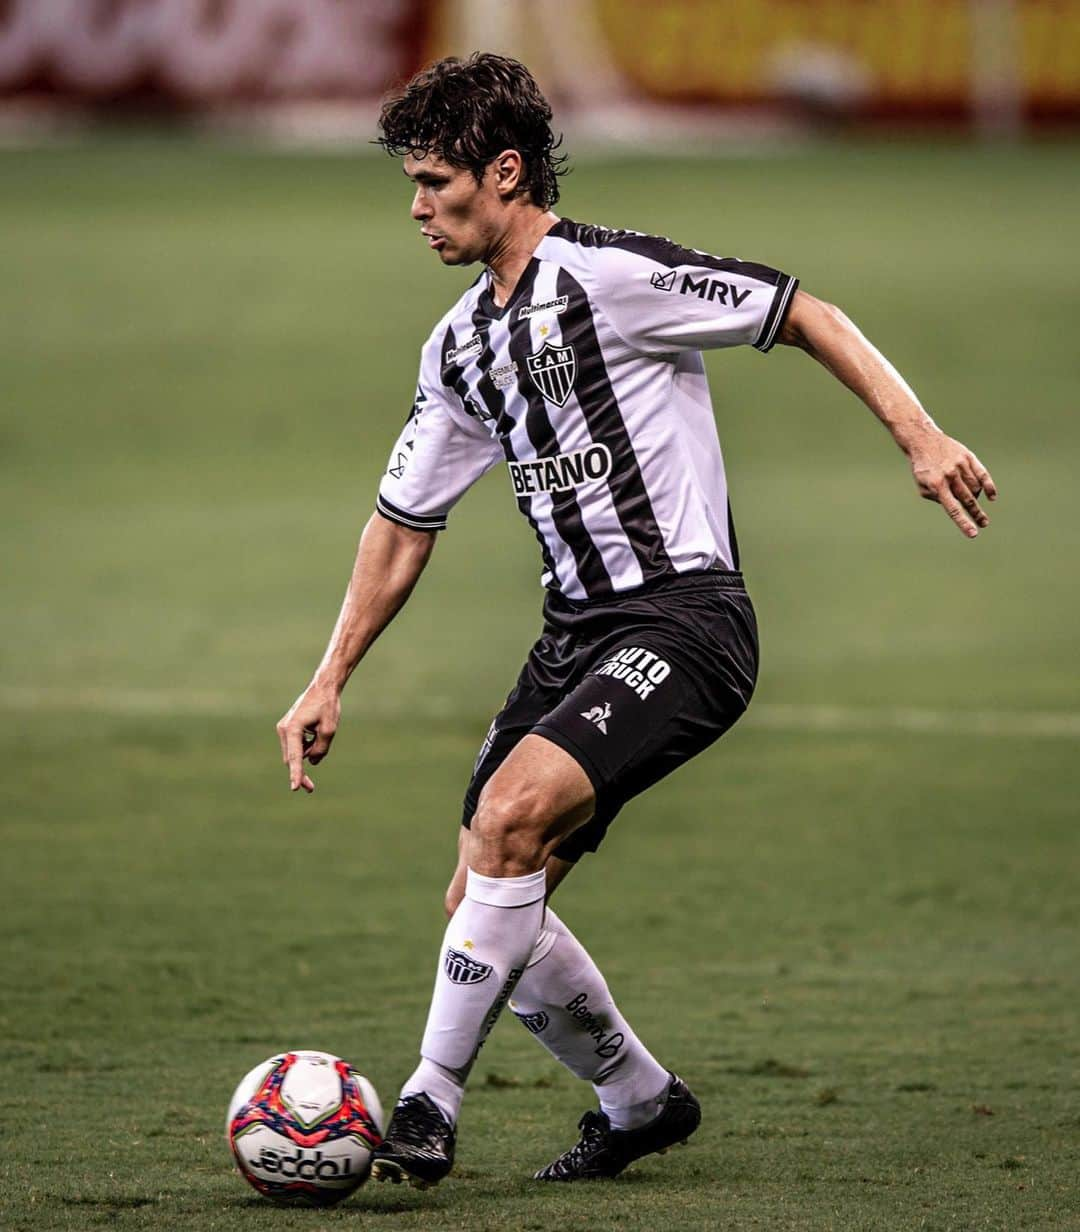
[{"x": 589, "y": 384}]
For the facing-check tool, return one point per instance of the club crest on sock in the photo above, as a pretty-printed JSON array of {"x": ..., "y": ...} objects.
[
  {"x": 532, "y": 1022},
  {"x": 461, "y": 969}
]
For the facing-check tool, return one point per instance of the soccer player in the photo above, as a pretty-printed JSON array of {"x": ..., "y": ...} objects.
[{"x": 575, "y": 359}]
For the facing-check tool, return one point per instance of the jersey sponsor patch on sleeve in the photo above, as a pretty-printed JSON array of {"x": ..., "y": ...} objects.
[
  {"x": 701, "y": 284},
  {"x": 467, "y": 349}
]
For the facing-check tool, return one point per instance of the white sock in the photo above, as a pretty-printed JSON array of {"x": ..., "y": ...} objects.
[
  {"x": 485, "y": 949},
  {"x": 440, "y": 1085},
  {"x": 564, "y": 1001}
]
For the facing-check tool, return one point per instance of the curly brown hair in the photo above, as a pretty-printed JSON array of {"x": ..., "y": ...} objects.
[{"x": 468, "y": 111}]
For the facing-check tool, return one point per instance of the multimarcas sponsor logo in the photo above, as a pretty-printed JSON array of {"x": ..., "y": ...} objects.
[
  {"x": 473, "y": 347},
  {"x": 562, "y": 473},
  {"x": 549, "y": 305}
]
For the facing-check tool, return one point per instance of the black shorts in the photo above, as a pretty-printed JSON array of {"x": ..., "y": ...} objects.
[{"x": 631, "y": 688}]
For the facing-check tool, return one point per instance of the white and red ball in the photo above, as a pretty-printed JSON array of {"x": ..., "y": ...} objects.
[{"x": 302, "y": 1126}]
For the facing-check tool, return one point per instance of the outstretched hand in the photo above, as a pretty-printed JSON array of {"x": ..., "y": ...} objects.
[
  {"x": 948, "y": 472},
  {"x": 306, "y": 731}
]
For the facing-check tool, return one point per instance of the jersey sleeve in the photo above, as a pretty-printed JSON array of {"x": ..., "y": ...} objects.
[
  {"x": 440, "y": 453},
  {"x": 662, "y": 298}
]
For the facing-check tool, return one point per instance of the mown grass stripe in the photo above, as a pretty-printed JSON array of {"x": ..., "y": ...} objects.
[{"x": 778, "y": 716}]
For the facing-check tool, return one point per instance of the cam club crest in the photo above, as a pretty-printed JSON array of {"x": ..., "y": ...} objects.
[
  {"x": 553, "y": 369},
  {"x": 465, "y": 970},
  {"x": 533, "y": 1022}
]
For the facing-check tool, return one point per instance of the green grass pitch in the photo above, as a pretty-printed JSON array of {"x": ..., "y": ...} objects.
[{"x": 852, "y": 926}]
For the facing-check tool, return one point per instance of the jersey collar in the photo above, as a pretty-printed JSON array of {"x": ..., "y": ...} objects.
[{"x": 522, "y": 290}]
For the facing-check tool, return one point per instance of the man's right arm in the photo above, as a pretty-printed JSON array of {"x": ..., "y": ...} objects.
[
  {"x": 439, "y": 454},
  {"x": 389, "y": 560}
]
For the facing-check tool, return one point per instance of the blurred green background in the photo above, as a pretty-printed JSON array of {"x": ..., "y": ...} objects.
[{"x": 853, "y": 925}]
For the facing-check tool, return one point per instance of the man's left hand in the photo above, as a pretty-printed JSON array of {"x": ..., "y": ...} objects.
[{"x": 948, "y": 472}]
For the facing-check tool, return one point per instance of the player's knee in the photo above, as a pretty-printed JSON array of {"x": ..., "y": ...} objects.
[{"x": 508, "y": 828}]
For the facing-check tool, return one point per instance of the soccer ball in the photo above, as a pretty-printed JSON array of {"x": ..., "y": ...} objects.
[{"x": 302, "y": 1126}]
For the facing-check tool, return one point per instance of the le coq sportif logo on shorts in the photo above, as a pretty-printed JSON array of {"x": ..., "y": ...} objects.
[
  {"x": 461, "y": 969},
  {"x": 598, "y": 716}
]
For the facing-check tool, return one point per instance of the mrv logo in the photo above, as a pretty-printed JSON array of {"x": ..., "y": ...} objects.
[
  {"x": 704, "y": 288},
  {"x": 637, "y": 667},
  {"x": 607, "y": 1043},
  {"x": 562, "y": 473},
  {"x": 303, "y": 1165},
  {"x": 713, "y": 288}
]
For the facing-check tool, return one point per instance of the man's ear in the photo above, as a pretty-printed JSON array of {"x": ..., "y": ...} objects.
[{"x": 508, "y": 168}]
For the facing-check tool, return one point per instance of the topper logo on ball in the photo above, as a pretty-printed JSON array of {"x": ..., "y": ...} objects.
[{"x": 302, "y": 1165}]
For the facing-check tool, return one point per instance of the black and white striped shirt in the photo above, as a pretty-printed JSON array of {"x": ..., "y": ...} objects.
[{"x": 589, "y": 383}]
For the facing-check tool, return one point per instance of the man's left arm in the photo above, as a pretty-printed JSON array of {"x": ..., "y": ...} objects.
[{"x": 944, "y": 470}]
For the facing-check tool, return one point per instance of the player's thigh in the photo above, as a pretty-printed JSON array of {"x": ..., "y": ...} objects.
[
  {"x": 554, "y": 665},
  {"x": 535, "y": 799},
  {"x": 541, "y": 787},
  {"x": 643, "y": 711},
  {"x": 608, "y": 723}
]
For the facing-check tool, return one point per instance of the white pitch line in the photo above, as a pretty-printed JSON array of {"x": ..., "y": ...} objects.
[
  {"x": 198, "y": 703},
  {"x": 1053, "y": 724},
  {"x": 774, "y": 716},
  {"x": 122, "y": 703}
]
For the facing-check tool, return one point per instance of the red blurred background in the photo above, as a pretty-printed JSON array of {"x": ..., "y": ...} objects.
[{"x": 989, "y": 65}]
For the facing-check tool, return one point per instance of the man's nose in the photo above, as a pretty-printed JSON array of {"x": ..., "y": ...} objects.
[{"x": 421, "y": 208}]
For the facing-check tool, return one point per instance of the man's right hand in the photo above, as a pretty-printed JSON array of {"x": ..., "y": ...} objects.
[
  {"x": 307, "y": 730},
  {"x": 388, "y": 561}
]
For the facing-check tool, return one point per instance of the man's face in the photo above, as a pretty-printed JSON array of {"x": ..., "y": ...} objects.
[{"x": 457, "y": 216}]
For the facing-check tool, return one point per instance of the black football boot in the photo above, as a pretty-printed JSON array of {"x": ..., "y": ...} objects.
[
  {"x": 604, "y": 1152},
  {"x": 418, "y": 1146}
]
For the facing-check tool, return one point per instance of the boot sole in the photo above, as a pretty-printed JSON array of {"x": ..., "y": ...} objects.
[{"x": 388, "y": 1170}]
